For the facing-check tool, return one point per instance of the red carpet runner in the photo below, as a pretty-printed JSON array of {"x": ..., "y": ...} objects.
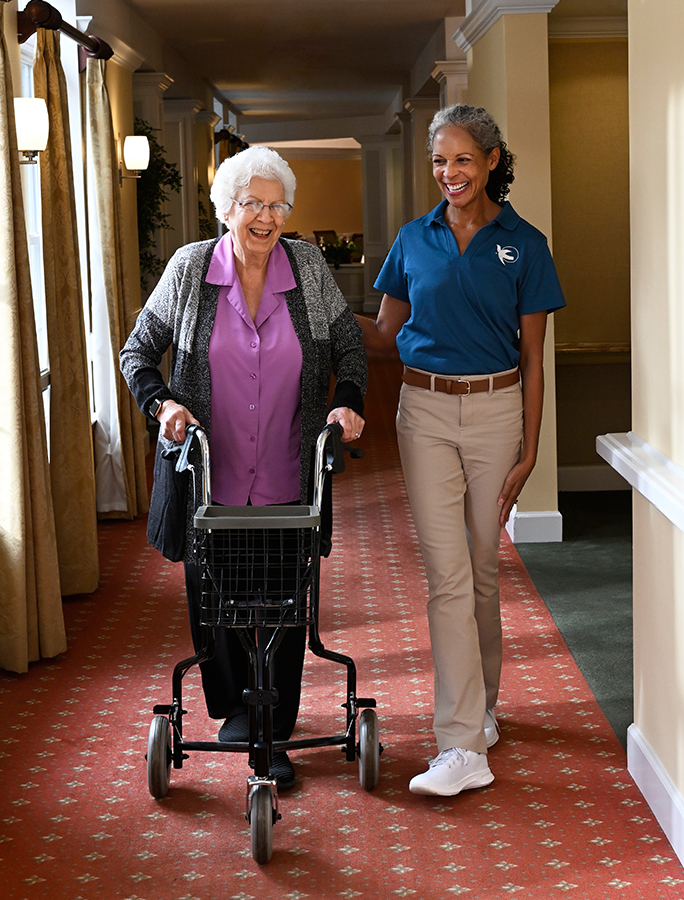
[{"x": 77, "y": 822}]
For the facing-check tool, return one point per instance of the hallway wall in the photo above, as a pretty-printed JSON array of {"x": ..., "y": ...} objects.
[
  {"x": 657, "y": 222},
  {"x": 590, "y": 189},
  {"x": 329, "y": 194}
]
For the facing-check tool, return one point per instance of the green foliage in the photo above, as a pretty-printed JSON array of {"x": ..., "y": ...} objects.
[
  {"x": 154, "y": 183},
  {"x": 342, "y": 251}
]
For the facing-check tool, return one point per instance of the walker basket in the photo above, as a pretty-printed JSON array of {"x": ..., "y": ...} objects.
[{"x": 256, "y": 564}]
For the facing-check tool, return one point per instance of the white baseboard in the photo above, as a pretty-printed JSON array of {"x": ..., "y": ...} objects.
[
  {"x": 535, "y": 527},
  {"x": 590, "y": 478},
  {"x": 658, "y": 789}
]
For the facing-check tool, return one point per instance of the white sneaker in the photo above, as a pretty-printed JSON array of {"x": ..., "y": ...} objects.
[
  {"x": 491, "y": 728},
  {"x": 453, "y": 771}
]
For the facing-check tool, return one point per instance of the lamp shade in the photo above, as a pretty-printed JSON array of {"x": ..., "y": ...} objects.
[
  {"x": 32, "y": 123},
  {"x": 136, "y": 153}
]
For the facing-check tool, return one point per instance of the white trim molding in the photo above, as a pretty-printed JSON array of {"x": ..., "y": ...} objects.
[
  {"x": 156, "y": 81},
  {"x": 482, "y": 14},
  {"x": 592, "y": 28},
  {"x": 208, "y": 115},
  {"x": 543, "y": 527},
  {"x": 124, "y": 54},
  {"x": 658, "y": 789},
  {"x": 451, "y": 68},
  {"x": 649, "y": 471},
  {"x": 452, "y": 77}
]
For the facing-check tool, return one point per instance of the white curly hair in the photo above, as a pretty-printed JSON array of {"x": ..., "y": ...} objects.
[{"x": 237, "y": 171}]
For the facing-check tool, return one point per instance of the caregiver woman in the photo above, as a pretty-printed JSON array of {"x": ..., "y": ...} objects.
[{"x": 467, "y": 289}]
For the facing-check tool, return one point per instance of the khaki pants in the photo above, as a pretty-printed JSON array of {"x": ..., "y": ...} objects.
[{"x": 456, "y": 451}]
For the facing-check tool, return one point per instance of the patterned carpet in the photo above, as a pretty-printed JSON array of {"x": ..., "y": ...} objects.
[{"x": 77, "y": 822}]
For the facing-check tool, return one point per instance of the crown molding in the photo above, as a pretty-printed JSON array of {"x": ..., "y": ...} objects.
[
  {"x": 124, "y": 54},
  {"x": 208, "y": 115},
  {"x": 487, "y": 12},
  {"x": 160, "y": 81},
  {"x": 176, "y": 108},
  {"x": 413, "y": 104},
  {"x": 606, "y": 28},
  {"x": 446, "y": 67}
]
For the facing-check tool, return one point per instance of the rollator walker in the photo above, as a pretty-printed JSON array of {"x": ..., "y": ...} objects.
[{"x": 260, "y": 567}]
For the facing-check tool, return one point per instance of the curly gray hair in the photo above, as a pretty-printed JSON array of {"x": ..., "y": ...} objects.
[
  {"x": 481, "y": 126},
  {"x": 477, "y": 122},
  {"x": 237, "y": 171}
]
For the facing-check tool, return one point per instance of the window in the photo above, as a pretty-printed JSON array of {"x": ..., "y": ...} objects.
[
  {"x": 32, "y": 197},
  {"x": 30, "y": 184}
]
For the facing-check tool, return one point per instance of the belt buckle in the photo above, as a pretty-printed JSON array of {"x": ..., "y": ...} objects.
[{"x": 464, "y": 381}]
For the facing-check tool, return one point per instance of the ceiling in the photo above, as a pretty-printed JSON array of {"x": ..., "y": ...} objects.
[{"x": 288, "y": 60}]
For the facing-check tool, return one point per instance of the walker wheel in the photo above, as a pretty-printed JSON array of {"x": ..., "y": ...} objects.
[
  {"x": 159, "y": 757},
  {"x": 261, "y": 823},
  {"x": 369, "y": 750}
]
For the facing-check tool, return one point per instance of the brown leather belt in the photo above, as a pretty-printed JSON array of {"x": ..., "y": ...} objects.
[{"x": 458, "y": 385}]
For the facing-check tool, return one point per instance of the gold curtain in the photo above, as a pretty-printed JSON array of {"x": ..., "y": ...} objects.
[
  {"x": 224, "y": 151},
  {"x": 122, "y": 310},
  {"x": 72, "y": 469},
  {"x": 31, "y": 618}
]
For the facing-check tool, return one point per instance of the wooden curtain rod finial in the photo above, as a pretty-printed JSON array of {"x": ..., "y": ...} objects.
[
  {"x": 39, "y": 14},
  {"x": 43, "y": 15},
  {"x": 25, "y": 27}
]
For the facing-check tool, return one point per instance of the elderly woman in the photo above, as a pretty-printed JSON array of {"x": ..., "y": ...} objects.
[
  {"x": 467, "y": 289},
  {"x": 255, "y": 323}
]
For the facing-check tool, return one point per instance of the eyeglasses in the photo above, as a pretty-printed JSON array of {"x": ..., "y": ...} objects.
[{"x": 278, "y": 210}]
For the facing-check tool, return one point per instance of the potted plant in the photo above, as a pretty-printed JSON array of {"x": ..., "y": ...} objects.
[{"x": 341, "y": 252}]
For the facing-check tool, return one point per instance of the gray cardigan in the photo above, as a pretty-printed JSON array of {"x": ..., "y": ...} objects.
[{"x": 180, "y": 314}]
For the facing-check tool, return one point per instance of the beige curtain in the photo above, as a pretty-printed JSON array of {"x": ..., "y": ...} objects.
[
  {"x": 31, "y": 619},
  {"x": 122, "y": 309},
  {"x": 72, "y": 469}
]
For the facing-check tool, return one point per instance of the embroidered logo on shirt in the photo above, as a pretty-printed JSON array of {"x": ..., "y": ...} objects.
[{"x": 507, "y": 254}]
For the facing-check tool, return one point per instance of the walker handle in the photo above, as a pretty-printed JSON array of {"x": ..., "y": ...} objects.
[
  {"x": 334, "y": 459},
  {"x": 181, "y": 452}
]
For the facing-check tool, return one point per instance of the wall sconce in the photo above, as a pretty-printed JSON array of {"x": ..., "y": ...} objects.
[
  {"x": 33, "y": 127},
  {"x": 136, "y": 156}
]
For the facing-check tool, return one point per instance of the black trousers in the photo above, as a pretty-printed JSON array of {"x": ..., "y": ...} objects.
[{"x": 225, "y": 677}]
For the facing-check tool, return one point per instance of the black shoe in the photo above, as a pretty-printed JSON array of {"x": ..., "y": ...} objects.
[
  {"x": 234, "y": 730},
  {"x": 283, "y": 770}
]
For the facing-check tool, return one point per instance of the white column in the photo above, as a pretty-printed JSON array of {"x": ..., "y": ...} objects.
[
  {"x": 205, "y": 123},
  {"x": 382, "y": 207},
  {"x": 148, "y": 105},
  {"x": 425, "y": 196},
  {"x": 404, "y": 119},
  {"x": 179, "y": 138},
  {"x": 148, "y": 98},
  {"x": 452, "y": 77}
]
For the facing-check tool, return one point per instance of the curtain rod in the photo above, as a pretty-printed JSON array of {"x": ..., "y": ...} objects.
[{"x": 38, "y": 14}]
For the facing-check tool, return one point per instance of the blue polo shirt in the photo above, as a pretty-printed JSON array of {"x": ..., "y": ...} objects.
[{"x": 465, "y": 310}]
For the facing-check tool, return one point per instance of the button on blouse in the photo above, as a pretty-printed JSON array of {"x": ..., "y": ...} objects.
[{"x": 255, "y": 368}]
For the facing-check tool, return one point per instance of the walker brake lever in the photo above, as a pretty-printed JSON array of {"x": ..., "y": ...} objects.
[{"x": 181, "y": 452}]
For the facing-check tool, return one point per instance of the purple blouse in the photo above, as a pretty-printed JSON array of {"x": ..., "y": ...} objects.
[{"x": 255, "y": 369}]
